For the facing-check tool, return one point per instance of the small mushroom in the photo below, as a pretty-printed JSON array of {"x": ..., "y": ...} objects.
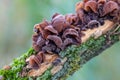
[
  {"x": 41, "y": 26},
  {"x": 40, "y": 41},
  {"x": 51, "y": 29},
  {"x": 32, "y": 62},
  {"x": 59, "y": 23},
  {"x": 81, "y": 14},
  {"x": 101, "y": 1},
  {"x": 71, "y": 32},
  {"x": 35, "y": 61},
  {"x": 93, "y": 23},
  {"x": 85, "y": 1},
  {"x": 67, "y": 41},
  {"x": 79, "y": 6},
  {"x": 37, "y": 42},
  {"x": 57, "y": 40},
  {"x": 71, "y": 18},
  {"x": 41, "y": 56},
  {"x": 35, "y": 46},
  {"x": 91, "y": 5},
  {"x": 35, "y": 37},
  {"x": 56, "y": 14},
  {"x": 109, "y": 7}
]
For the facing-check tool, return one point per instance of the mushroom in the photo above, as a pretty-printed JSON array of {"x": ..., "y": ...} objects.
[
  {"x": 101, "y": 1},
  {"x": 51, "y": 29},
  {"x": 57, "y": 40},
  {"x": 34, "y": 62},
  {"x": 71, "y": 32},
  {"x": 41, "y": 56},
  {"x": 67, "y": 41},
  {"x": 79, "y": 6},
  {"x": 109, "y": 7},
  {"x": 41, "y": 26},
  {"x": 40, "y": 41},
  {"x": 93, "y": 23},
  {"x": 91, "y": 5},
  {"x": 37, "y": 42},
  {"x": 59, "y": 23},
  {"x": 80, "y": 14},
  {"x": 35, "y": 47},
  {"x": 85, "y": 1},
  {"x": 71, "y": 18},
  {"x": 56, "y": 14}
]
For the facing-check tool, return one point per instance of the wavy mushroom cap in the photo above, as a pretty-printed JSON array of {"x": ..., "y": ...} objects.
[
  {"x": 101, "y": 1},
  {"x": 109, "y": 7},
  {"x": 51, "y": 29},
  {"x": 79, "y": 6},
  {"x": 67, "y": 41},
  {"x": 59, "y": 23},
  {"x": 34, "y": 62},
  {"x": 57, "y": 40},
  {"x": 81, "y": 15},
  {"x": 91, "y": 5},
  {"x": 70, "y": 32},
  {"x": 71, "y": 18},
  {"x": 93, "y": 23}
]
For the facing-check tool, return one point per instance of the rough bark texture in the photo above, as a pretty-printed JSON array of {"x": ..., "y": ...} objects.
[{"x": 77, "y": 56}]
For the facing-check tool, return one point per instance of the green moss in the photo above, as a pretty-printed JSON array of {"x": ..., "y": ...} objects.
[
  {"x": 76, "y": 57},
  {"x": 16, "y": 67},
  {"x": 46, "y": 76}
]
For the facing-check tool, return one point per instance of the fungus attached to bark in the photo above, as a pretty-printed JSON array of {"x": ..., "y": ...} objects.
[
  {"x": 79, "y": 6},
  {"x": 51, "y": 29},
  {"x": 91, "y": 5},
  {"x": 67, "y": 41},
  {"x": 93, "y": 23},
  {"x": 71, "y": 18},
  {"x": 70, "y": 32},
  {"x": 57, "y": 40},
  {"x": 59, "y": 23},
  {"x": 101, "y": 1},
  {"x": 109, "y": 7},
  {"x": 36, "y": 60}
]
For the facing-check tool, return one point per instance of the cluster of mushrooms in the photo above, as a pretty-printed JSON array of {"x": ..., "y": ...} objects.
[{"x": 65, "y": 30}]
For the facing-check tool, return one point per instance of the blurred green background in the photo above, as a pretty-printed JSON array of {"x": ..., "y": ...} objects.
[{"x": 17, "y": 18}]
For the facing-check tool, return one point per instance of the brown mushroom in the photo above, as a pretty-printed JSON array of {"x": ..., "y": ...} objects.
[
  {"x": 85, "y": 1},
  {"x": 93, "y": 23},
  {"x": 70, "y": 31},
  {"x": 79, "y": 6},
  {"x": 40, "y": 41},
  {"x": 41, "y": 56},
  {"x": 59, "y": 23},
  {"x": 37, "y": 42},
  {"x": 80, "y": 14},
  {"x": 109, "y": 7},
  {"x": 35, "y": 47},
  {"x": 91, "y": 5},
  {"x": 101, "y": 1},
  {"x": 57, "y": 40},
  {"x": 34, "y": 62},
  {"x": 56, "y": 14},
  {"x": 41, "y": 26},
  {"x": 51, "y": 29},
  {"x": 67, "y": 41},
  {"x": 71, "y": 18}
]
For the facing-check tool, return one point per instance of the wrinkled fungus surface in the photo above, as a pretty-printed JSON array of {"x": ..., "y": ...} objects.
[{"x": 64, "y": 30}]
